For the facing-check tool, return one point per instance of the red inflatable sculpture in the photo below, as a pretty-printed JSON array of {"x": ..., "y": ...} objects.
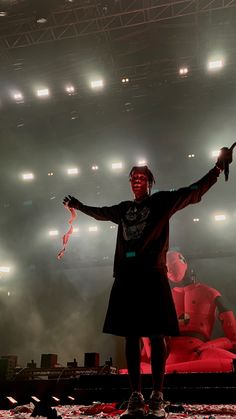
[{"x": 197, "y": 306}]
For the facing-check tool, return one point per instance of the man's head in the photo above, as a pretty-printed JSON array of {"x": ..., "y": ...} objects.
[
  {"x": 141, "y": 179},
  {"x": 176, "y": 265}
]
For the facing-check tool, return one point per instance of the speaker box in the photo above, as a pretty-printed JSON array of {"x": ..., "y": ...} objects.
[
  {"x": 48, "y": 360},
  {"x": 91, "y": 359}
]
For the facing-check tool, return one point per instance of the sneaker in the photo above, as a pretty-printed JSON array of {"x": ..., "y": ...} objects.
[
  {"x": 136, "y": 405},
  {"x": 157, "y": 406}
]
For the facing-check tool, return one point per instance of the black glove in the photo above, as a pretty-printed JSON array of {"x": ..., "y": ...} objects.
[
  {"x": 224, "y": 159},
  {"x": 71, "y": 202}
]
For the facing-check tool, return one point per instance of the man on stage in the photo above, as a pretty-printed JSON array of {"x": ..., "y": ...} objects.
[{"x": 141, "y": 303}]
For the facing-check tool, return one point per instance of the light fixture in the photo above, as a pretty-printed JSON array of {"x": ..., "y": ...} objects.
[
  {"x": 42, "y": 92},
  {"x": 73, "y": 171},
  {"x": 215, "y": 64},
  {"x": 70, "y": 89},
  {"x": 5, "y": 269},
  {"x": 220, "y": 217},
  {"x": 53, "y": 232},
  {"x": 141, "y": 162},
  {"x": 95, "y": 84},
  {"x": 27, "y": 176},
  {"x": 117, "y": 165},
  {"x": 92, "y": 228},
  {"x": 183, "y": 71},
  {"x": 215, "y": 153}
]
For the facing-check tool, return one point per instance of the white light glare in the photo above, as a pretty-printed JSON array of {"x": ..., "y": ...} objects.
[
  {"x": 28, "y": 176},
  {"x": 97, "y": 84},
  {"x": 220, "y": 217},
  {"x": 42, "y": 92},
  {"x": 215, "y": 64},
  {"x": 18, "y": 97},
  {"x": 75, "y": 229},
  {"x": 35, "y": 399},
  {"x": 117, "y": 165},
  {"x": 125, "y": 80},
  {"x": 191, "y": 156},
  {"x": 3, "y": 13},
  {"x": 71, "y": 398},
  {"x": 73, "y": 171},
  {"x": 70, "y": 89},
  {"x": 11, "y": 400},
  {"x": 196, "y": 220},
  {"x": 142, "y": 162},
  {"x": 183, "y": 71},
  {"x": 5, "y": 269},
  {"x": 53, "y": 232},
  {"x": 50, "y": 173},
  {"x": 55, "y": 398},
  {"x": 95, "y": 167},
  {"x": 215, "y": 153},
  {"x": 93, "y": 228}
]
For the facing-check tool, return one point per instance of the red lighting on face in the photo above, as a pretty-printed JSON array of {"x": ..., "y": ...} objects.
[{"x": 139, "y": 185}]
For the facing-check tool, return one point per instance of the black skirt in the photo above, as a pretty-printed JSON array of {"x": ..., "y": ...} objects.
[{"x": 141, "y": 304}]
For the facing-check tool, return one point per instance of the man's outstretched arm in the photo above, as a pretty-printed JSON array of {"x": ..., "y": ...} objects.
[{"x": 111, "y": 213}]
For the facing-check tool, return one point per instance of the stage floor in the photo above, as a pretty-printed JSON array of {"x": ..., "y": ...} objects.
[{"x": 107, "y": 410}]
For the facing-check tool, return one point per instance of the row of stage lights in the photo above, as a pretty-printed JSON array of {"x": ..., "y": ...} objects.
[
  {"x": 93, "y": 229},
  {"x": 220, "y": 217},
  {"x": 99, "y": 84},
  {"x": 116, "y": 166},
  {"x": 40, "y": 405}
]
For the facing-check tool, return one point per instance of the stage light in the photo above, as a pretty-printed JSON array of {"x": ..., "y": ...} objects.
[
  {"x": 53, "y": 232},
  {"x": 95, "y": 167},
  {"x": 92, "y": 229},
  {"x": 11, "y": 400},
  {"x": 75, "y": 229},
  {"x": 3, "y": 13},
  {"x": 35, "y": 399},
  {"x": 70, "y": 89},
  {"x": 215, "y": 64},
  {"x": 112, "y": 227},
  {"x": 5, "y": 269},
  {"x": 55, "y": 398},
  {"x": 196, "y": 220},
  {"x": 125, "y": 80},
  {"x": 50, "y": 173},
  {"x": 71, "y": 398},
  {"x": 220, "y": 217},
  {"x": 41, "y": 20},
  {"x": 96, "y": 84},
  {"x": 215, "y": 153},
  {"x": 117, "y": 165},
  {"x": 141, "y": 162},
  {"x": 18, "y": 97},
  {"x": 42, "y": 92},
  {"x": 73, "y": 171},
  {"x": 8, "y": 293},
  {"x": 183, "y": 71},
  {"x": 191, "y": 156},
  {"x": 28, "y": 176}
]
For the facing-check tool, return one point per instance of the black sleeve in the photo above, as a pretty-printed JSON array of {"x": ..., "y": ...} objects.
[
  {"x": 192, "y": 194},
  {"x": 101, "y": 213}
]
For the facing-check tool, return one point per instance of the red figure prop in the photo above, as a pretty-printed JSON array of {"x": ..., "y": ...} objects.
[{"x": 196, "y": 305}]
